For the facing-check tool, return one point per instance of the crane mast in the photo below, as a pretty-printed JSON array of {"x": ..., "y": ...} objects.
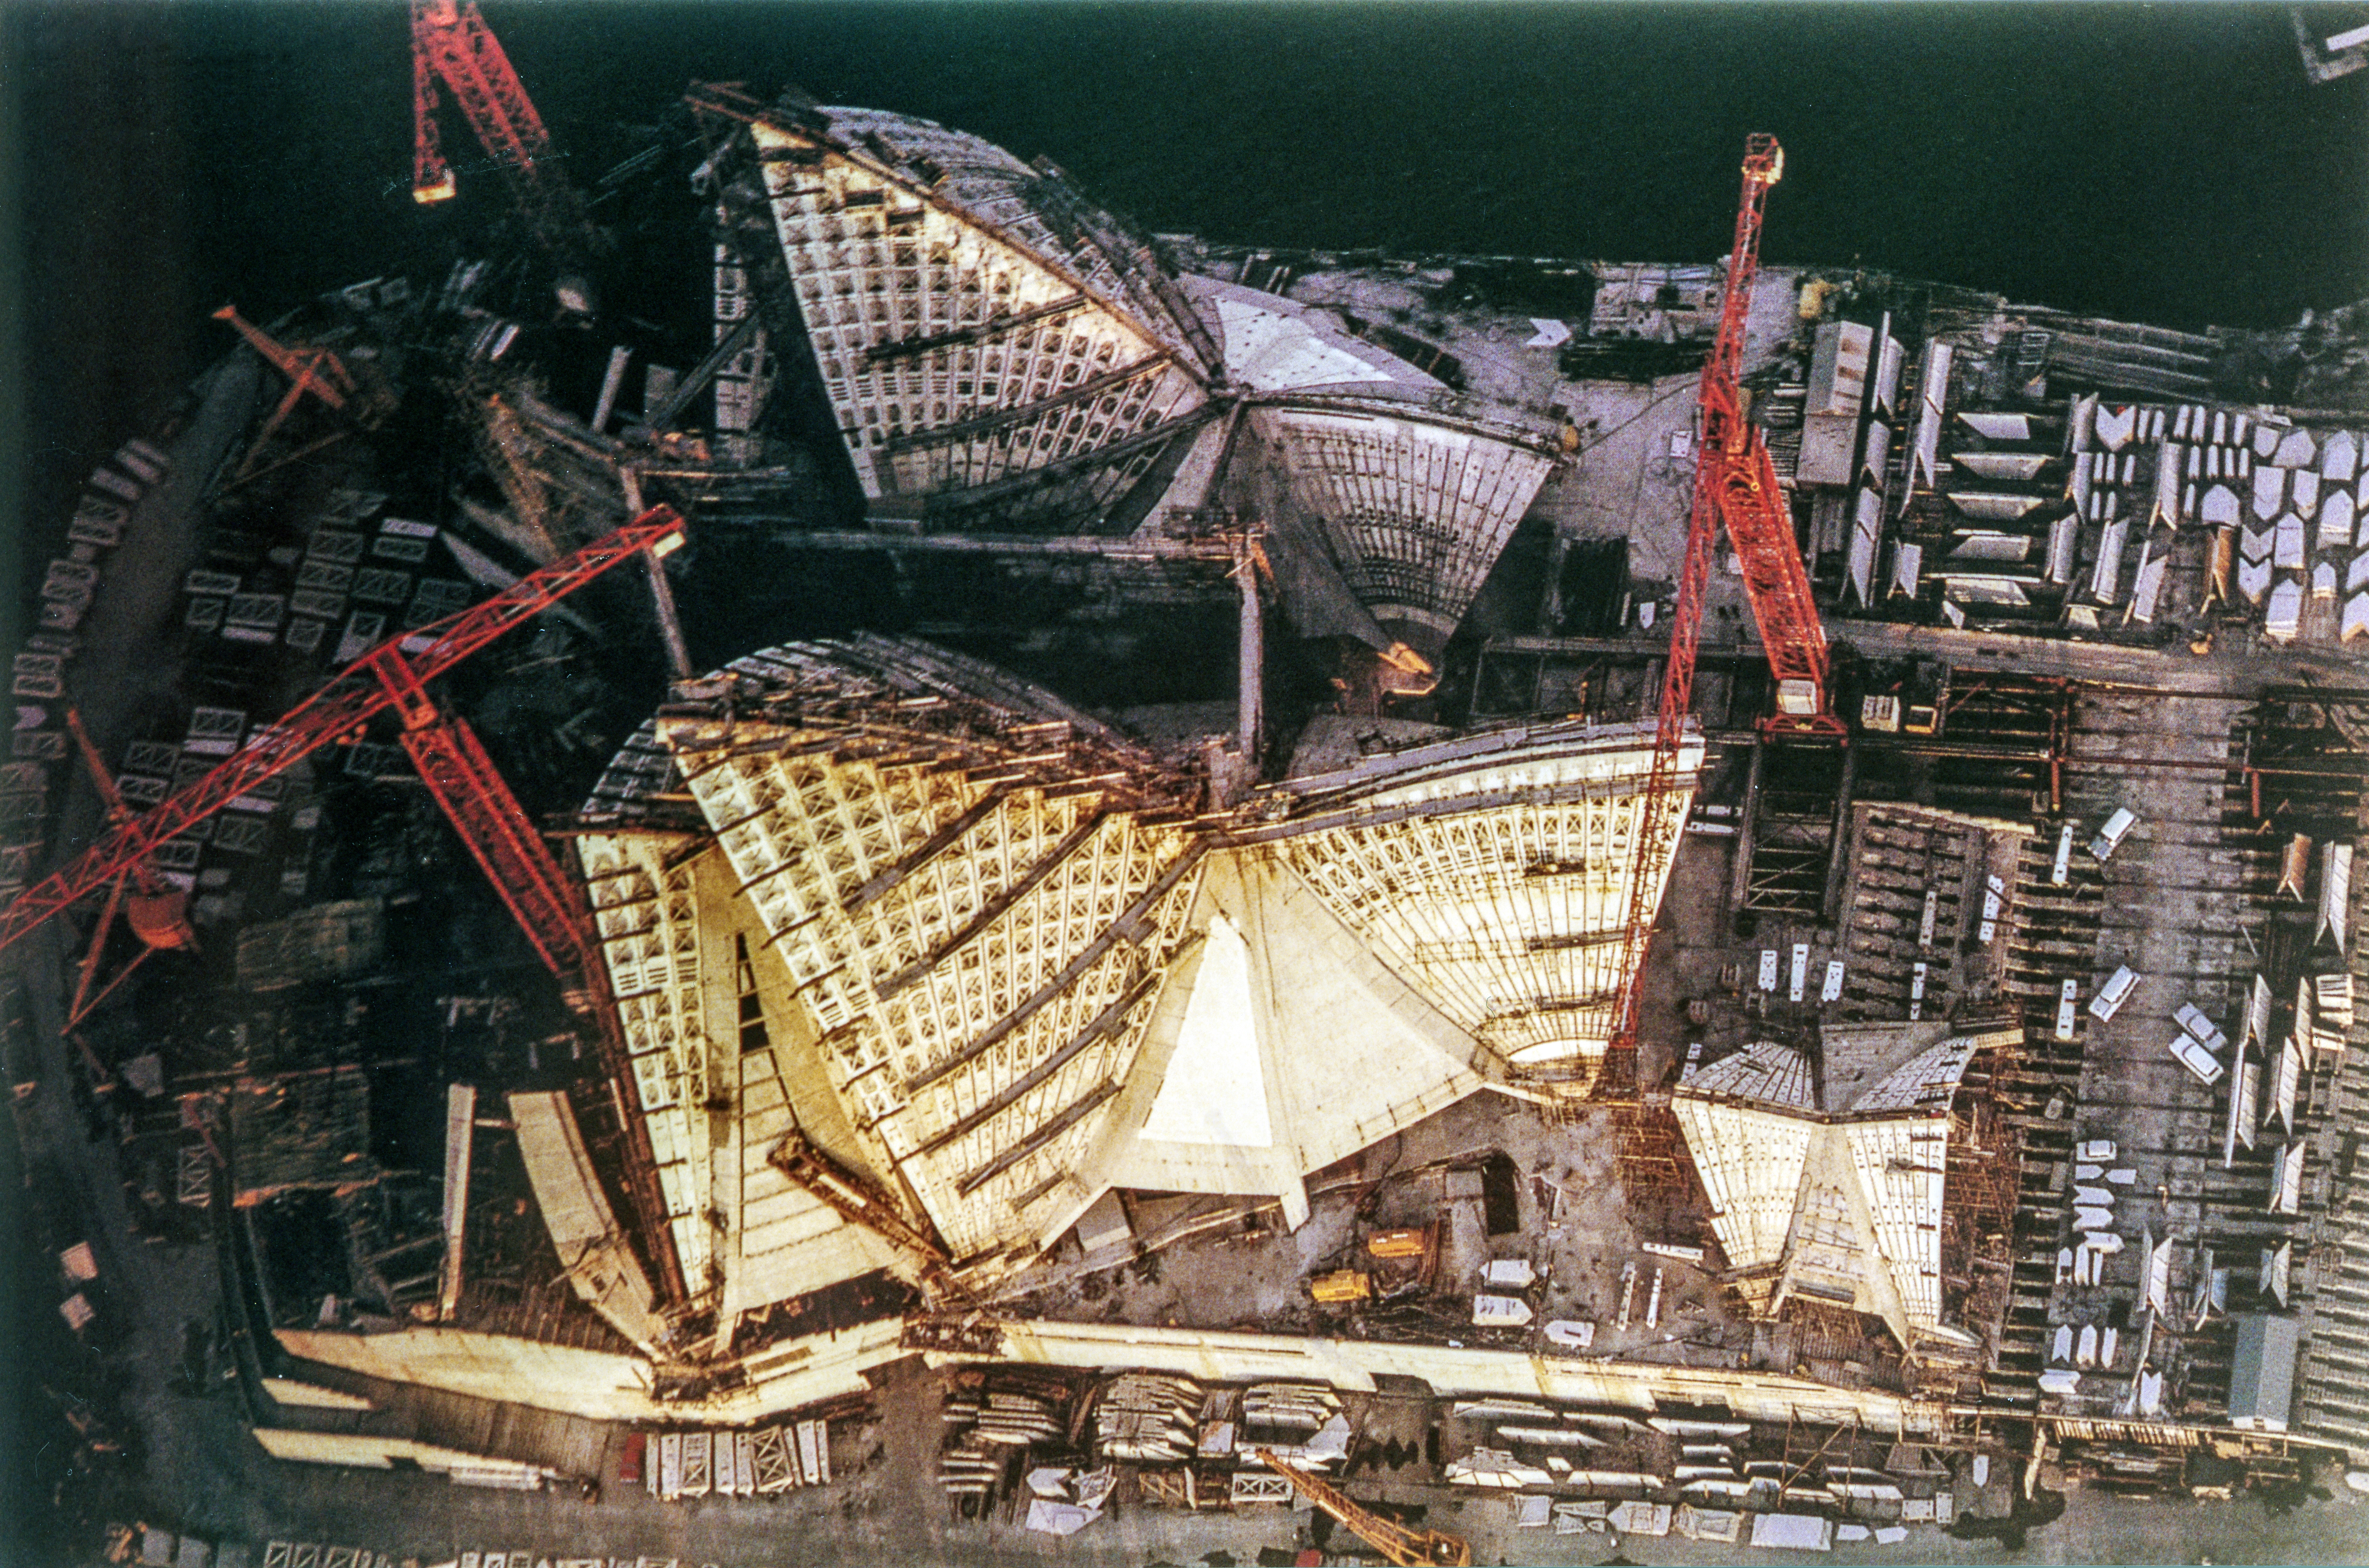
[
  {"x": 1736, "y": 485},
  {"x": 1398, "y": 1544}
]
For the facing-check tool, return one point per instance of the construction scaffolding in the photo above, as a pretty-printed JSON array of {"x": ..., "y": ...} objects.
[{"x": 1655, "y": 1171}]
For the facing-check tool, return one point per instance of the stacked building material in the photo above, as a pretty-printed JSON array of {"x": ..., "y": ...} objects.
[
  {"x": 1299, "y": 1408},
  {"x": 1493, "y": 1468},
  {"x": 1147, "y": 1417},
  {"x": 1006, "y": 1420},
  {"x": 990, "y": 1422},
  {"x": 1303, "y": 1406}
]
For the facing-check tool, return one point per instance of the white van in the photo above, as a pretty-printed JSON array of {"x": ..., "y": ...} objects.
[
  {"x": 2067, "y": 999},
  {"x": 2111, "y": 836},
  {"x": 2197, "y": 1060},
  {"x": 2192, "y": 1018},
  {"x": 2117, "y": 991}
]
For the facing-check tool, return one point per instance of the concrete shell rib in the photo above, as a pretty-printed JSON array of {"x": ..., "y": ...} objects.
[
  {"x": 1847, "y": 1196},
  {"x": 1928, "y": 1080},
  {"x": 648, "y": 925},
  {"x": 1414, "y": 513},
  {"x": 933, "y": 877},
  {"x": 928, "y": 916},
  {"x": 1777, "y": 1076},
  {"x": 898, "y": 235},
  {"x": 1507, "y": 915},
  {"x": 903, "y": 993},
  {"x": 1750, "y": 1163},
  {"x": 1900, "y": 1164}
]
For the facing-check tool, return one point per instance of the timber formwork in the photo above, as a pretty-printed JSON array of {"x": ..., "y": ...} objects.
[
  {"x": 1793, "y": 829},
  {"x": 1656, "y": 1173}
]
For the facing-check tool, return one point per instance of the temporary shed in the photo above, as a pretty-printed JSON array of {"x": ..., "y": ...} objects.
[
  {"x": 2334, "y": 893},
  {"x": 2262, "y": 1372}
]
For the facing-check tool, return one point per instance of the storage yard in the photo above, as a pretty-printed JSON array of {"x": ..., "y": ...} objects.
[{"x": 963, "y": 881}]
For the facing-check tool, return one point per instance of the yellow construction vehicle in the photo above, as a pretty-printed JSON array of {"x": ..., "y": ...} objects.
[
  {"x": 1403, "y": 1547},
  {"x": 1340, "y": 1287}
]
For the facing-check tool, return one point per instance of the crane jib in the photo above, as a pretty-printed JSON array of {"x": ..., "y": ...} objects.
[
  {"x": 372, "y": 684},
  {"x": 1735, "y": 489}
]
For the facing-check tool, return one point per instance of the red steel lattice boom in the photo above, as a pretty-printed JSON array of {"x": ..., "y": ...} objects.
[
  {"x": 384, "y": 679},
  {"x": 450, "y": 43},
  {"x": 1736, "y": 485},
  {"x": 393, "y": 677}
]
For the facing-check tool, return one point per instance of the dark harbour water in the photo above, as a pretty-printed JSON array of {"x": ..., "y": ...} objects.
[
  {"x": 2167, "y": 164},
  {"x": 2159, "y": 163}
]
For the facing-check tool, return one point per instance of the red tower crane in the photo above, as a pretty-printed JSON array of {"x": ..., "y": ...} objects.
[
  {"x": 1736, "y": 485},
  {"x": 450, "y": 42},
  {"x": 157, "y": 910},
  {"x": 316, "y": 371},
  {"x": 392, "y": 678}
]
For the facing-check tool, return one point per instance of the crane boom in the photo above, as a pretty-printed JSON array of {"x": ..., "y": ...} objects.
[
  {"x": 393, "y": 677},
  {"x": 1403, "y": 1547},
  {"x": 450, "y": 42},
  {"x": 371, "y": 685},
  {"x": 1735, "y": 483}
]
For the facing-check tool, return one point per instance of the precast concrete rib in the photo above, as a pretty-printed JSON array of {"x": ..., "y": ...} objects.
[
  {"x": 1103, "y": 1023},
  {"x": 1128, "y": 928},
  {"x": 928, "y": 850},
  {"x": 1046, "y": 1131},
  {"x": 1021, "y": 414},
  {"x": 994, "y": 909},
  {"x": 978, "y": 332}
]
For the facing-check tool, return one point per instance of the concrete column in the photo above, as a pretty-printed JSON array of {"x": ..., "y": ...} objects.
[{"x": 1250, "y": 695}]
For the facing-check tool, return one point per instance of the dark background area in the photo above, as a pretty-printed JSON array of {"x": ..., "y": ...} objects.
[{"x": 2162, "y": 164}]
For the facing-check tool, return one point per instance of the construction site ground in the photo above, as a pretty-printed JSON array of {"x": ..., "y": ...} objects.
[{"x": 1227, "y": 1276}]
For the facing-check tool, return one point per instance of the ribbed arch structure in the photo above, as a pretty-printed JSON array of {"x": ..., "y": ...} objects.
[
  {"x": 942, "y": 893},
  {"x": 1000, "y": 354},
  {"x": 1500, "y": 891},
  {"x": 649, "y": 924},
  {"x": 873, "y": 908},
  {"x": 975, "y": 323},
  {"x": 1833, "y": 1195},
  {"x": 1415, "y": 513}
]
